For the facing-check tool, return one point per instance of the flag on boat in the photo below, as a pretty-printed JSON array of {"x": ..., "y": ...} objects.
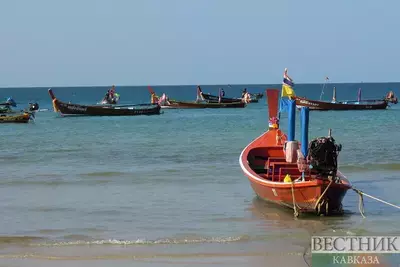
[
  {"x": 287, "y": 85},
  {"x": 287, "y": 92}
]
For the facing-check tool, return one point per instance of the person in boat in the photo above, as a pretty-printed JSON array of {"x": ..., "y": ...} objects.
[
  {"x": 391, "y": 97},
  {"x": 221, "y": 94},
  {"x": 154, "y": 98},
  {"x": 334, "y": 95},
  {"x": 164, "y": 100},
  {"x": 244, "y": 92},
  {"x": 112, "y": 95},
  {"x": 246, "y": 98},
  {"x": 199, "y": 96},
  {"x": 112, "y": 91},
  {"x": 33, "y": 106},
  {"x": 106, "y": 96}
]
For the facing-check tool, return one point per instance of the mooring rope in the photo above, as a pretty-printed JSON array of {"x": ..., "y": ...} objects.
[
  {"x": 296, "y": 213},
  {"x": 361, "y": 203},
  {"x": 323, "y": 194}
]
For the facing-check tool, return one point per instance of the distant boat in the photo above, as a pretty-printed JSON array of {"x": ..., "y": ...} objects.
[
  {"x": 7, "y": 107},
  {"x": 184, "y": 105},
  {"x": 347, "y": 105},
  {"x": 359, "y": 104},
  {"x": 24, "y": 117},
  {"x": 165, "y": 102},
  {"x": 103, "y": 110},
  {"x": 215, "y": 99},
  {"x": 258, "y": 95}
]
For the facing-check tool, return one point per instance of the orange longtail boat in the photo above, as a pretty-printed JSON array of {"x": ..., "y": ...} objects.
[{"x": 282, "y": 171}]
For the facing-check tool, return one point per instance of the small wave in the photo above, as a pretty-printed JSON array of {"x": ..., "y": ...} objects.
[
  {"x": 32, "y": 182},
  {"x": 105, "y": 174},
  {"x": 52, "y": 209},
  {"x": 166, "y": 241},
  {"x": 19, "y": 239},
  {"x": 368, "y": 167},
  {"x": 53, "y": 182}
]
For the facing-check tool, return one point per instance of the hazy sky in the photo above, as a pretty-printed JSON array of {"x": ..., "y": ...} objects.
[{"x": 141, "y": 42}]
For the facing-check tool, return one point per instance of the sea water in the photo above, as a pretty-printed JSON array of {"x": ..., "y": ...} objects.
[{"x": 167, "y": 189}]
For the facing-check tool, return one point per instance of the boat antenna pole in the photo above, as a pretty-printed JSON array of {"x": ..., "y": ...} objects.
[{"x": 323, "y": 87}]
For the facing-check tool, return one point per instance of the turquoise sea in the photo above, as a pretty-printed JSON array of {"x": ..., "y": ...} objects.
[{"x": 167, "y": 190}]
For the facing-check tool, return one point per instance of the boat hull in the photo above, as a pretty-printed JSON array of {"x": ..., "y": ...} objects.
[
  {"x": 322, "y": 105},
  {"x": 305, "y": 195},
  {"x": 215, "y": 99},
  {"x": 20, "y": 118},
  {"x": 83, "y": 110},
  {"x": 194, "y": 105},
  {"x": 285, "y": 179}
]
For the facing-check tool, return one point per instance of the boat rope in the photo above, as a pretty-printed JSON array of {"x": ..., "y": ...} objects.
[
  {"x": 323, "y": 194},
  {"x": 361, "y": 203},
  {"x": 296, "y": 213}
]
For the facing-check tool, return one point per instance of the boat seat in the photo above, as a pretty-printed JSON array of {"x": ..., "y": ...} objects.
[
  {"x": 261, "y": 165},
  {"x": 279, "y": 164},
  {"x": 275, "y": 159}
]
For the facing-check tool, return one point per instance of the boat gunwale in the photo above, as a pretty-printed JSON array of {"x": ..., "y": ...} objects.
[{"x": 253, "y": 176}]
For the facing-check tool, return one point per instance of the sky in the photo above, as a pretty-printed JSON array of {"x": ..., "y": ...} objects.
[{"x": 180, "y": 42}]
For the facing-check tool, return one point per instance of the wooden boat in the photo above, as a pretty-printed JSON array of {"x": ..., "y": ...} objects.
[
  {"x": 344, "y": 105},
  {"x": 6, "y": 108},
  {"x": 17, "y": 118},
  {"x": 181, "y": 104},
  {"x": 287, "y": 90},
  {"x": 165, "y": 102},
  {"x": 266, "y": 165},
  {"x": 358, "y": 104},
  {"x": 258, "y": 95},
  {"x": 103, "y": 110},
  {"x": 215, "y": 99}
]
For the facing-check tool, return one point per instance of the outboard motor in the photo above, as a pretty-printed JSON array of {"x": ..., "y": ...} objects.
[
  {"x": 33, "y": 106},
  {"x": 323, "y": 155}
]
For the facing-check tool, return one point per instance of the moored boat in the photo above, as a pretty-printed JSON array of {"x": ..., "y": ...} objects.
[
  {"x": 7, "y": 107},
  {"x": 165, "y": 102},
  {"x": 215, "y": 99},
  {"x": 246, "y": 97},
  {"x": 16, "y": 118},
  {"x": 343, "y": 105},
  {"x": 359, "y": 104},
  {"x": 278, "y": 167},
  {"x": 189, "y": 105},
  {"x": 258, "y": 95},
  {"x": 103, "y": 110}
]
